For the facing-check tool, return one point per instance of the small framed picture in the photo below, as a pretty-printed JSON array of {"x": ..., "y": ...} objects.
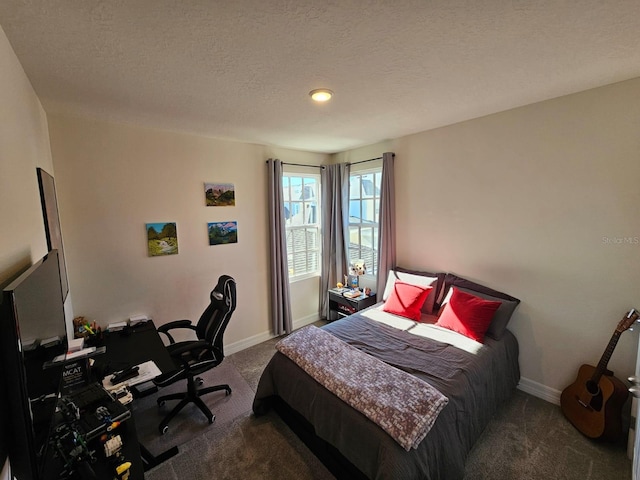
[
  {"x": 162, "y": 239},
  {"x": 221, "y": 233},
  {"x": 220, "y": 194}
]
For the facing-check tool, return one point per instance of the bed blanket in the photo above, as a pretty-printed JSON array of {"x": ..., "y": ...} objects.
[{"x": 403, "y": 405}]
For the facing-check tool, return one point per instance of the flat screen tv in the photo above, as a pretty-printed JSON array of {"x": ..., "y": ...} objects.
[{"x": 32, "y": 333}]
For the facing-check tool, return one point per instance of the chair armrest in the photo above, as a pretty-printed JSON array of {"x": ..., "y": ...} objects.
[{"x": 173, "y": 326}]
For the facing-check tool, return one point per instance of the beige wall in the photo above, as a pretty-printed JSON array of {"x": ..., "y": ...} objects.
[
  {"x": 24, "y": 146},
  {"x": 113, "y": 179},
  {"x": 524, "y": 201}
]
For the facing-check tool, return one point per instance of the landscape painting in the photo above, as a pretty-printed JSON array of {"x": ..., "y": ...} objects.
[
  {"x": 223, "y": 232},
  {"x": 162, "y": 239},
  {"x": 220, "y": 194}
]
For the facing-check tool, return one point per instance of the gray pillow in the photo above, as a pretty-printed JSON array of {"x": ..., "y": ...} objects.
[{"x": 503, "y": 314}]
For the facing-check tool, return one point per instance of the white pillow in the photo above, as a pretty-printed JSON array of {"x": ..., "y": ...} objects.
[{"x": 409, "y": 278}]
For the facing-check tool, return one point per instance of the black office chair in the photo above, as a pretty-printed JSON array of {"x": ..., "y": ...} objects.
[{"x": 197, "y": 356}]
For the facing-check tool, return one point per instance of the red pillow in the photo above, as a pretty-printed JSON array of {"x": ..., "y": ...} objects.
[
  {"x": 406, "y": 300},
  {"x": 468, "y": 314}
]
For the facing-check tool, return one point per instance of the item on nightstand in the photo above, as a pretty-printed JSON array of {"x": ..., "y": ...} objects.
[
  {"x": 346, "y": 309},
  {"x": 352, "y": 293},
  {"x": 356, "y": 269}
]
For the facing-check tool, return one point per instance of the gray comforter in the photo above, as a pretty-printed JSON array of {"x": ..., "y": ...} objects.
[{"x": 476, "y": 383}]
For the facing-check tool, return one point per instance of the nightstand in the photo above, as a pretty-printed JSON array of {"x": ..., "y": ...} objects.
[{"x": 341, "y": 306}]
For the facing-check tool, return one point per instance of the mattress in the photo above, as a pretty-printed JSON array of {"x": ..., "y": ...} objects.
[{"x": 476, "y": 378}]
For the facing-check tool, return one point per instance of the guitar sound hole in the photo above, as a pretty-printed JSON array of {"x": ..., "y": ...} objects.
[
  {"x": 596, "y": 395},
  {"x": 593, "y": 388}
]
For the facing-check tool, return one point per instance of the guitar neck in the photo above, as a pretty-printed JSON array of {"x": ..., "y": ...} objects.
[{"x": 606, "y": 356}]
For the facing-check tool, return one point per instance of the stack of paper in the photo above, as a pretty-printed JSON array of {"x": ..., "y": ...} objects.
[{"x": 146, "y": 371}]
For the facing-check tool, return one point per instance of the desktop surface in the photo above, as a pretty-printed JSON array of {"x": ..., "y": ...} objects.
[{"x": 133, "y": 346}]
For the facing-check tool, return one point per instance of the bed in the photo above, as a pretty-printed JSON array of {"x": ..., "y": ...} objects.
[{"x": 475, "y": 377}]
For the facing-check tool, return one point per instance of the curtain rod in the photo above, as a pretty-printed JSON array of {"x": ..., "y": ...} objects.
[
  {"x": 365, "y": 161},
  {"x": 322, "y": 166},
  {"x": 300, "y": 165}
]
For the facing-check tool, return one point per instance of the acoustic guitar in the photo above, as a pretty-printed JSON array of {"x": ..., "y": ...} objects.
[{"x": 593, "y": 403}]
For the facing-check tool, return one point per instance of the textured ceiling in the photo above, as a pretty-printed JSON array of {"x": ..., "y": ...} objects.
[{"x": 242, "y": 69}]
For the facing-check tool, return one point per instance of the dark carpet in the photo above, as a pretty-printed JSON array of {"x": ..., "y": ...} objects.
[
  {"x": 528, "y": 439},
  {"x": 191, "y": 422}
]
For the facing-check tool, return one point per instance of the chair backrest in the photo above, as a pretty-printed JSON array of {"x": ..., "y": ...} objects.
[{"x": 215, "y": 318}]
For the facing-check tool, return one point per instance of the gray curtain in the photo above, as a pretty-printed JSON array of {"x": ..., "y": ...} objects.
[
  {"x": 387, "y": 229},
  {"x": 335, "y": 229},
  {"x": 281, "y": 320}
]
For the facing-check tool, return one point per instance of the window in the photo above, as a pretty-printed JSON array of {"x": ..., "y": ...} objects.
[
  {"x": 302, "y": 222},
  {"x": 364, "y": 217}
]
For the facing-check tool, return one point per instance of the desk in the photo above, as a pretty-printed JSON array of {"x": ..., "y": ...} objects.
[
  {"x": 133, "y": 346},
  {"x": 129, "y": 347}
]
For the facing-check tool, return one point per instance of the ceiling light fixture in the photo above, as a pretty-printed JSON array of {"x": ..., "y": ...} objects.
[{"x": 321, "y": 94}]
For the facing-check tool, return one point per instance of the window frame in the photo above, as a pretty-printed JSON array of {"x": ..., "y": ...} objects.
[
  {"x": 376, "y": 171},
  {"x": 305, "y": 205}
]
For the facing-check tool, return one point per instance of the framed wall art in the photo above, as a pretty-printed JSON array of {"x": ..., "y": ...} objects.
[
  {"x": 220, "y": 194},
  {"x": 221, "y": 233},
  {"x": 162, "y": 239}
]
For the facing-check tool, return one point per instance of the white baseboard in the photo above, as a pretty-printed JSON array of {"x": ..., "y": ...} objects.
[
  {"x": 247, "y": 342},
  {"x": 263, "y": 337},
  {"x": 538, "y": 390},
  {"x": 303, "y": 322}
]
